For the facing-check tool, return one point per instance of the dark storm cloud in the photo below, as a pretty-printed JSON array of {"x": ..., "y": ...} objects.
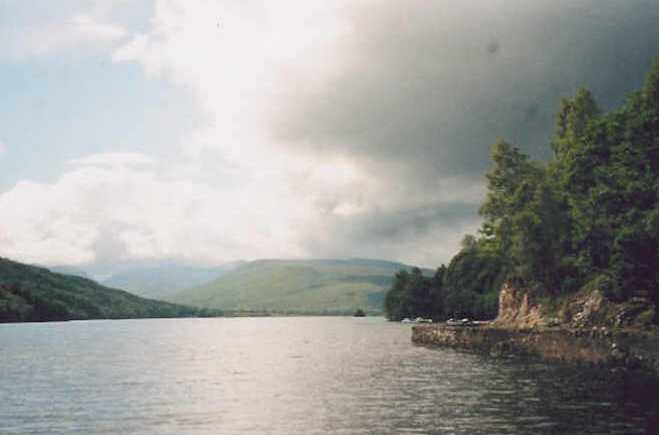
[
  {"x": 402, "y": 224},
  {"x": 426, "y": 87},
  {"x": 424, "y": 235},
  {"x": 434, "y": 84}
]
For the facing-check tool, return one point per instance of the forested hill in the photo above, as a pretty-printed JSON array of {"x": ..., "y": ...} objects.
[
  {"x": 586, "y": 220},
  {"x": 298, "y": 286},
  {"x": 29, "y": 293}
]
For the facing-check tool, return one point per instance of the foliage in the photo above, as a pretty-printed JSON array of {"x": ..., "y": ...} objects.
[
  {"x": 589, "y": 217},
  {"x": 29, "y": 293},
  {"x": 466, "y": 288}
]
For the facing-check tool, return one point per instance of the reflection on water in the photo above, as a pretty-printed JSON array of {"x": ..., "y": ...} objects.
[{"x": 291, "y": 376}]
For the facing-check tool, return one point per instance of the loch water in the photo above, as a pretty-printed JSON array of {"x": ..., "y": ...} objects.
[{"x": 293, "y": 375}]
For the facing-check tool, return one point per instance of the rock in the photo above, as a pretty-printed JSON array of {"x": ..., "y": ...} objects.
[
  {"x": 553, "y": 322},
  {"x": 590, "y": 310},
  {"x": 619, "y": 350},
  {"x": 635, "y": 312},
  {"x": 518, "y": 309}
]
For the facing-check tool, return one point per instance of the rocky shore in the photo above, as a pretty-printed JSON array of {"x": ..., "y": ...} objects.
[
  {"x": 595, "y": 347},
  {"x": 584, "y": 329}
]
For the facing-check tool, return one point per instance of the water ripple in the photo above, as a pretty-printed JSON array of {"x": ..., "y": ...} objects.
[{"x": 290, "y": 376}]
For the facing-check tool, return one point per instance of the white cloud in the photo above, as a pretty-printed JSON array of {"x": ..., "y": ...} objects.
[
  {"x": 143, "y": 214},
  {"x": 236, "y": 57},
  {"x": 147, "y": 211}
]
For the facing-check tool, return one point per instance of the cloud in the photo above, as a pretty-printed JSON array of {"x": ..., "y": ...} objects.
[
  {"x": 408, "y": 96},
  {"x": 423, "y": 235},
  {"x": 114, "y": 208},
  {"x": 433, "y": 84},
  {"x": 109, "y": 213},
  {"x": 332, "y": 129},
  {"x": 240, "y": 61},
  {"x": 3, "y": 147},
  {"x": 119, "y": 207},
  {"x": 29, "y": 34}
]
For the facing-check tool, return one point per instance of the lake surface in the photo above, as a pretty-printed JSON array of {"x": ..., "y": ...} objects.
[{"x": 291, "y": 376}]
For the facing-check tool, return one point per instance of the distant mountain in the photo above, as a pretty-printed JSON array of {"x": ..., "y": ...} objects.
[
  {"x": 163, "y": 281},
  {"x": 30, "y": 293},
  {"x": 300, "y": 286}
]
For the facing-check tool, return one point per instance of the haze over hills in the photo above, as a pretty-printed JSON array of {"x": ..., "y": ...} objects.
[
  {"x": 164, "y": 280},
  {"x": 300, "y": 286},
  {"x": 31, "y": 293}
]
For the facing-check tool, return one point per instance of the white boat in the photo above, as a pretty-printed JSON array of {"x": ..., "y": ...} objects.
[
  {"x": 417, "y": 320},
  {"x": 462, "y": 322}
]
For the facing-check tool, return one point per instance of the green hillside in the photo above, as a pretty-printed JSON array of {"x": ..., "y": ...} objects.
[
  {"x": 300, "y": 286},
  {"x": 29, "y": 293}
]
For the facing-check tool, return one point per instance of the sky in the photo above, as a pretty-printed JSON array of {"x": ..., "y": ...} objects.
[{"x": 203, "y": 132}]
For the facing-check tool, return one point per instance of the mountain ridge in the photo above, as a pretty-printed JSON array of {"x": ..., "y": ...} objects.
[{"x": 311, "y": 286}]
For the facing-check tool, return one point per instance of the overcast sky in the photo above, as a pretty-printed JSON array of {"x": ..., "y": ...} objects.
[{"x": 210, "y": 131}]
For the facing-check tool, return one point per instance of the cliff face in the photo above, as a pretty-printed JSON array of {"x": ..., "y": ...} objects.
[
  {"x": 518, "y": 309},
  {"x": 521, "y": 309}
]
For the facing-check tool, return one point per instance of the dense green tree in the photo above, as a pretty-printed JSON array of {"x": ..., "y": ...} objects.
[
  {"x": 468, "y": 287},
  {"x": 438, "y": 293},
  {"x": 412, "y": 295},
  {"x": 396, "y": 300},
  {"x": 511, "y": 182},
  {"x": 471, "y": 278}
]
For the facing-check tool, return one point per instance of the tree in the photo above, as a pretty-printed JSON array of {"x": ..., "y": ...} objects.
[
  {"x": 511, "y": 182},
  {"x": 396, "y": 300}
]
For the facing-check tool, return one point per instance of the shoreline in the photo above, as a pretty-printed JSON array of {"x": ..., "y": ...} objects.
[{"x": 598, "y": 347}]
